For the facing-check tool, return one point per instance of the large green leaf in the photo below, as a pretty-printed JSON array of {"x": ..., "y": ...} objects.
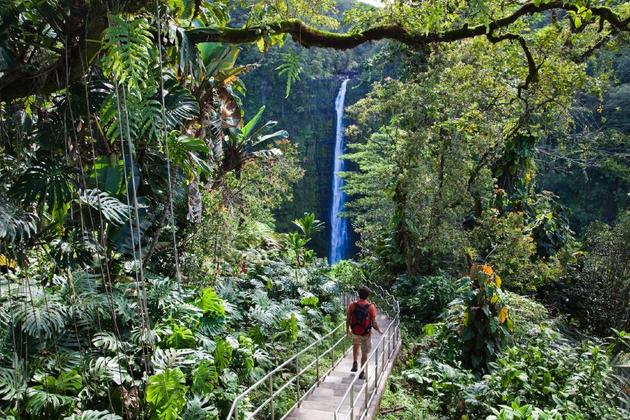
[{"x": 166, "y": 392}]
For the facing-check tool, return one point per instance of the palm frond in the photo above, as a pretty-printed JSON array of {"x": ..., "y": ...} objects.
[
  {"x": 41, "y": 317},
  {"x": 94, "y": 415},
  {"x": 15, "y": 224},
  {"x": 50, "y": 182},
  {"x": 128, "y": 47},
  {"x": 112, "y": 209}
]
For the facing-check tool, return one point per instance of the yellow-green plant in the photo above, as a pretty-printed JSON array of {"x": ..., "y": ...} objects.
[{"x": 486, "y": 322}]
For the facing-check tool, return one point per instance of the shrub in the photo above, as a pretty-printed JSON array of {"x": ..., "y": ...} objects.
[
  {"x": 571, "y": 381},
  {"x": 596, "y": 290},
  {"x": 486, "y": 321},
  {"x": 422, "y": 299}
]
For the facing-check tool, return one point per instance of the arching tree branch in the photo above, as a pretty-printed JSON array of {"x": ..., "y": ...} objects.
[
  {"x": 532, "y": 68},
  {"x": 88, "y": 19},
  {"x": 309, "y": 36}
]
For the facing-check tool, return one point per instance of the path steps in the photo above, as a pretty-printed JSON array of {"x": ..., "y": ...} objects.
[{"x": 324, "y": 400}]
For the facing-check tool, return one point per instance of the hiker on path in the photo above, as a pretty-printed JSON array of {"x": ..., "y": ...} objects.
[{"x": 360, "y": 320}]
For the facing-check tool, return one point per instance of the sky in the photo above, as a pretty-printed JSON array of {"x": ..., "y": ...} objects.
[{"x": 377, "y": 3}]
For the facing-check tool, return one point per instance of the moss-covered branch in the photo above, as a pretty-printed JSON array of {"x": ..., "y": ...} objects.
[
  {"x": 88, "y": 19},
  {"x": 309, "y": 36}
]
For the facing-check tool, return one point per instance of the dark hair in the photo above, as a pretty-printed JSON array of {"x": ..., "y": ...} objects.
[{"x": 364, "y": 292}]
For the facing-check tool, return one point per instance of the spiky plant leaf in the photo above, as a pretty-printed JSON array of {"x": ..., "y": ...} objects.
[
  {"x": 51, "y": 182},
  {"x": 128, "y": 47},
  {"x": 112, "y": 209},
  {"x": 94, "y": 415},
  {"x": 15, "y": 224},
  {"x": 166, "y": 392},
  {"x": 292, "y": 68},
  {"x": 41, "y": 318}
]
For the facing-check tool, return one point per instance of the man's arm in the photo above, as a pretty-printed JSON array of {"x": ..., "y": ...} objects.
[
  {"x": 349, "y": 318},
  {"x": 372, "y": 311}
]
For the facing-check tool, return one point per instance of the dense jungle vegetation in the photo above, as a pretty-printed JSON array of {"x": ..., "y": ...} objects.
[{"x": 164, "y": 167}]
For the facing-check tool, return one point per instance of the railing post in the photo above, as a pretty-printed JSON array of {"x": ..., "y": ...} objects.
[
  {"x": 389, "y": 344},
  {"x": 376, "y": 368},
  {"x": 273, "y": 414},
  {"x": 383, "y": 358},
  {"x": 317, "y": 361},
  {"x": 367, "y": 384},
  {"x": 297, "y": 379},
  {"x": 352, "y": 400},
  {"x": 332, "y": 350}
]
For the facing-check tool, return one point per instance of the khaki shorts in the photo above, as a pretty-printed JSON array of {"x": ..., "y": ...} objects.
[{"x": 365, "y": 341}]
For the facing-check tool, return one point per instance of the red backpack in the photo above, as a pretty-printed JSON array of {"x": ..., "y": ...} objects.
[{"x": 360, "y": 323}]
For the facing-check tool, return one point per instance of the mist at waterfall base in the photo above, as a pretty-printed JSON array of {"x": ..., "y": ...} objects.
[{"x": 339, "y": 226}]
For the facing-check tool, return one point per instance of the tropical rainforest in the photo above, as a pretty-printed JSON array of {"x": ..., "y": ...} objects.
[{"x": 165, "y": 194}]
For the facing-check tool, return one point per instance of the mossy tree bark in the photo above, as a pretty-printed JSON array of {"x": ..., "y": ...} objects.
[{"x": 88, "y": 19}]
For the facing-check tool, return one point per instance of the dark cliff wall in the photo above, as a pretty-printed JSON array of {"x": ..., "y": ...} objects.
[{"x": 308, "y": 115}]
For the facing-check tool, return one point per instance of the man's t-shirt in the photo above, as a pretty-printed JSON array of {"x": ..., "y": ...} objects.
[{"x": 371, "y": 310}]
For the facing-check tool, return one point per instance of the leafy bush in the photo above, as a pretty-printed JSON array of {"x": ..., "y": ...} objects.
[
  {"x": 507, "y": 243},
  {"x": 486, "y": 321},
  {"x": 596, "y": 289},
  {"x": 422, "y": 299},
  {"x": 544, "y": 373},
  {"x": 166, "y": 392}
]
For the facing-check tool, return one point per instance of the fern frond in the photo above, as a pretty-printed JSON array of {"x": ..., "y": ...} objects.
[
  {"x": 41, "y": 318},
  {"x": 292, "y": 68},
  {"x": 15, "y": 224},
  {"x": 112, "y": 209},
  {"x": 128, "y": 47},
  {"x": 94, "y": 415}
]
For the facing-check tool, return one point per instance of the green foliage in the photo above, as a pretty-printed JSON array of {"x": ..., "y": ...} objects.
[
  {"x": 291, "y": 68},
  {"x": 112, "y": 209},
  {"x": 223, "y": 354},
  {"x": 49, "y": 183},
  {"x": 486, "y": 322},
  {"x": 541, "y": 372},
  {"x": 180, "y": 337},
  {"x": 41, "y": 318},
  {"x": 15, "y": 224},
  {"x": 127, "y": 47},
  {"x": 290, "y": 326},
  {"x": 596, "y": 288},
  {"x": 204, "y": 378},
  {"x": 211, "y": 304},
  {"x": 166, "y": 393},
  {"x": 423, "y": 299},
  {"x": 311, "y": 301}
]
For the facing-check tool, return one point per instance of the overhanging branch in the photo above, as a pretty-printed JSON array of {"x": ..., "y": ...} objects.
[
  {"x": 309, "y": 36},
  {"x": 89, "y": 20}
]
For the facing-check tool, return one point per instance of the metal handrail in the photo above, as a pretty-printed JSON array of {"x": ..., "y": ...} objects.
[
  {"x": 391, "y": 337},
  {"x": 268, "y": 378}
]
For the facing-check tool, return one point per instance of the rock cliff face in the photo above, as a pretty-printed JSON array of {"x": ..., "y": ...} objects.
[{"x": 308, "y": 114}]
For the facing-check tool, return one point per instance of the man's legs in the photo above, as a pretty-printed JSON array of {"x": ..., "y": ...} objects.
[
  {"x": 366, "y": 347},
  {"x": 356, "y": 345}
]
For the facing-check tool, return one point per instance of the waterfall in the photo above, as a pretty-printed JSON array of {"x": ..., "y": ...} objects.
[{"x": 339, "y": 246}]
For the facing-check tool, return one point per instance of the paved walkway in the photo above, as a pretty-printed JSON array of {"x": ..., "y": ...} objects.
[{"x": 323, "y": 401}]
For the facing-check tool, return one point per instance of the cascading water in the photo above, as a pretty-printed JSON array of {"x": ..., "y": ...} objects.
[{"x": 339, "y": 235}]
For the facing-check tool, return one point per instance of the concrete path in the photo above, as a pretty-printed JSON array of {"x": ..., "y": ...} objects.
[{"x": 324, "y": 399}]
